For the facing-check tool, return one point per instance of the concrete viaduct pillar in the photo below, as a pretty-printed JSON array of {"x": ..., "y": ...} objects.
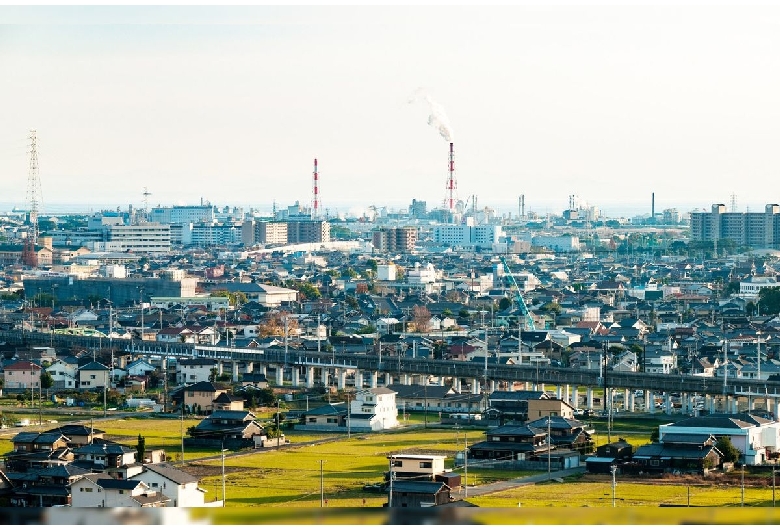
[
  {"x": 296, "y": 376},
  {"x": 341, "y": 378},
  {"x": 575, "y": 396},
  {"x": 589, "y": 398},
  {"x": 374, "y": 379},
  {"x": 475, "y": 386},
  {"x": 309, "y": 377},
  {"x": 235, "y": 371},
  {"x": 279, "y": 375},
  {"x": 668, "y": 403}
]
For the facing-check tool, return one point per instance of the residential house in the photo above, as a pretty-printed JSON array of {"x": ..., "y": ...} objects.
[
  {"x": 182, "y": 488},
  {"x": 22, "y": 375},
  {"x": 686, "y": 453},
  {"x": 33, "y": 450},
  {"x": 416, "y": 467},
  {"x": 513, "y": 405},
  {"x": 566, "y": 433},
  {"x": 225, "y": 401},
  {"x": 93, "y": 376},
  {"x": 231, "y": 429},
  {"x": 63, "y": 375},
  {"x": 418, "y": 494},
  {"x": 77, "y": 434},
  {"x": 752, "y": 435},
  {"x": 509, "y": 441},
  {"x": 541, "y": 408},
  {"x": 139, "y": 368},
  {"x": 199, "y": 397},
  {"x": 104, "y": 455},
  {"x": 373, "y": 409},
  {"x": 103, "y": 491},
  {"x": 256, "y": 380},
  {"x": 190, "y": 371},
  {"x": 417, "y": 397},
  {"x": 325, "y": 418}
]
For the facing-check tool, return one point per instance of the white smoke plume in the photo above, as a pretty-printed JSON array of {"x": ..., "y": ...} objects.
[{"x": 437, "y": 118}]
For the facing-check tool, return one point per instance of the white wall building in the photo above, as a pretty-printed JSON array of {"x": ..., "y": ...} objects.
[
  {"x": 194, "y": 370},
  {"x": 422, "y": 274},
  {"x": 386, "y": 272},
  {"x": 468, "y": 234},
  {"x": 182, "y": 488},
  {"x": 373, "y": 409},
  {"x": 182, "y": 214},
  {"x": 751, "y": 288},
  {"x": 102, "y": 491},
  {"x": 557, "y": 243}
]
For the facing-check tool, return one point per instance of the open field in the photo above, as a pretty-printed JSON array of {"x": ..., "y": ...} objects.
[{"x": 292, "y": 476}]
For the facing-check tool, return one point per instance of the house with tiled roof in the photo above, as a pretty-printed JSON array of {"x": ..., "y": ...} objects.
[
  {"x": 231, "y": 429},
  {"x": 100, "y": 491},
  {"x": 686, "y": 453},
  {"x": 752, "y": 435},
  {"x": 37, "y": 450},
  {"x": 44, "y": 487},
  {"x": 181, "y": 487},
  {"x": 22, "y": 375},
  {"x": 93, "y": 376},
  {"x": 509, "y": 441},
  {"x": 104, "y": 455}
]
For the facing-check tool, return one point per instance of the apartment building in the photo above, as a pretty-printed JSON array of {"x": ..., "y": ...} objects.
[
  {"x": 755, "y": 229},
  {"x": 263, "y": 233},
  {"x": 394, "y": 239}
]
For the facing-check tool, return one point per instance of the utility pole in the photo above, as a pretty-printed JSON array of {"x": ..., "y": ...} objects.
[
  {"x": 466, "y": 464},
  {"x": 614, "y": 470},
  {"x": 223, "y": 473},
  {"x": 322, "y": 486},
  {"x": 391, "y": 473},
  {"x": 549, "y": 456}
]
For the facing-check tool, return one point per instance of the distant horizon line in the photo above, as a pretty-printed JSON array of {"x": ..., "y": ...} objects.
[{"x": 613, "y": 209}]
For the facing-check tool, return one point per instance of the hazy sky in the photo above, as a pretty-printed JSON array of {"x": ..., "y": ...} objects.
[{"x": 233, "y": 104}]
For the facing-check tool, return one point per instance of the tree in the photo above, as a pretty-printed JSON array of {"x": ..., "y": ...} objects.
[
  {"x": 655, "y": 435},
  {"x": 140, "y": 448},
  {"x": 213, "y": 375},
  {"x": 730, "y": 453},
  {"x": 46, "y": 380},
  {"x": 421, "y": 317},
  {"x": 769, "y": 301},
  {"x": 504, "y": 304}
]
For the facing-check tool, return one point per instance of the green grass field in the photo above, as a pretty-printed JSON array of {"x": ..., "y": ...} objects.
[{"x": 292, "y": 476}]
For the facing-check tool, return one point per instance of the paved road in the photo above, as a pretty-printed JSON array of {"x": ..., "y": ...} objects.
[{"x": 503, "y": 485}]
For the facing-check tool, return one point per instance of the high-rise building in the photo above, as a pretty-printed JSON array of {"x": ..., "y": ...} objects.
[
  {"x": 395, "y": 239},
  {"x": 754, "y": 229}
]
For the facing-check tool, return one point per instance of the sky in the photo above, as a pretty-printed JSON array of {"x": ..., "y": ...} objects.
[{"x": 231, "y": 105}]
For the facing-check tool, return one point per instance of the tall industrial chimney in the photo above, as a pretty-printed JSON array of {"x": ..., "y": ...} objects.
[
  {"x": 652, "y": 208},
  {"x": 449, "y": 201},
  {"x": 316, "y": 192}
]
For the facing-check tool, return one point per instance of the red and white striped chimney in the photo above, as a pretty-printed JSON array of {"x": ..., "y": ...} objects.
[
  {"x": 452, "y": 184},
  {"x": 316, "y": 191}
]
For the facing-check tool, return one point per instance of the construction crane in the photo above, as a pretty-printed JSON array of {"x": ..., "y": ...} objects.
[{"x": 529, "y": 322}]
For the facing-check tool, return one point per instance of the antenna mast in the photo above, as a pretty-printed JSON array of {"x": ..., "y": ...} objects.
[
  {"x": 146, "y": 203},
  {"x": 29, "y": 257}
]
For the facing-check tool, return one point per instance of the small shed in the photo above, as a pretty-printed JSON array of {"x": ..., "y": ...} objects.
[
  {"x": 599, "y": 464},
  {"x": 419, "y": 494},
  {"x": 620, "y": 450},
  {"x": 452, "y": 480}
]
